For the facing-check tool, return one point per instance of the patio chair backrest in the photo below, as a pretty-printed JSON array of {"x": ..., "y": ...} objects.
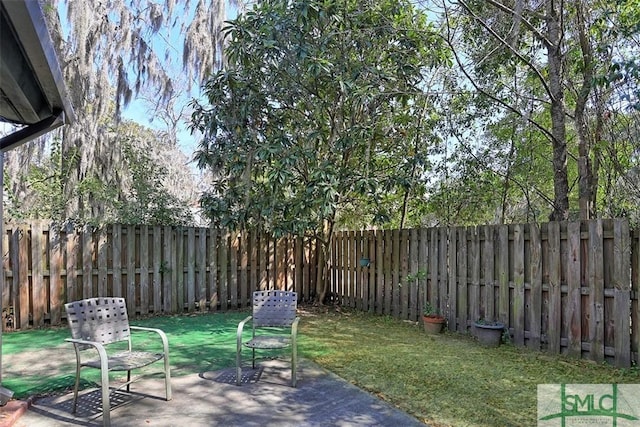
[
  {"x": 274, "y": 308},
  {"x": 102, "y": 320}
]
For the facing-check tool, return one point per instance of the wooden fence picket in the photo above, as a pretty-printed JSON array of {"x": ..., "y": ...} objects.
[{"x": 534, "y": 312}]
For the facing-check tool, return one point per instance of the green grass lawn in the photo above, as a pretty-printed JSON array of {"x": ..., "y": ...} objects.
[{"x": 447, "y": 379}]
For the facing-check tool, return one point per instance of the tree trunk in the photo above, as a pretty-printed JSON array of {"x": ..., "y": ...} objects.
[
  {"x": 558, "y": 131},
  {"x": 585, "y": 173},
  {"x": 323, "y": 263}
]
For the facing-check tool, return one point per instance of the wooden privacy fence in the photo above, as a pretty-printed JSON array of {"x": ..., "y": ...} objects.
[
  {"x": 569, "y": 287},
  {"x": 157, "y": 269},
  {"x": 565, "y": 287}
]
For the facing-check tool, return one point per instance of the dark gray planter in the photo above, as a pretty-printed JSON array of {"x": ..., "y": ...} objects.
[{"x": 489, "y": 334}]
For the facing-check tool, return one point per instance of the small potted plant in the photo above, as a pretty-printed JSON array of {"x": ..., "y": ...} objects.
[
  {"x": 431, "y": 319},
  {"x": 488, "y": 333}
]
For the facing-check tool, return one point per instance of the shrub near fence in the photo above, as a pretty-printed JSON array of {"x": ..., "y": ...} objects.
[
  {"x": 569, "y": 287},
  {"x": 563, "y": 287},
  {"x": 157, "y": 269}
]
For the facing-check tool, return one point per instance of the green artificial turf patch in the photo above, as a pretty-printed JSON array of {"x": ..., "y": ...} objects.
[{"x": 445, "y": 379}]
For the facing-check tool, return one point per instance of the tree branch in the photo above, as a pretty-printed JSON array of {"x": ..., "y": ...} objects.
[{"x": 506, "y": 44}]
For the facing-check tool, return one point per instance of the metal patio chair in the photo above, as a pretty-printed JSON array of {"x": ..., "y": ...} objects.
[
  {"x": 96, "y": 323},
  {"x": 274, "y": 326}
]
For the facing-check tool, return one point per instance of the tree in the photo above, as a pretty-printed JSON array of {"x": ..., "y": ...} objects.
[
  {"x": 544, "y": 61},
  {"x": 138, "y": 194},
  {"x": 312, "y": 113},
  {"x": 110, "y": 52}
]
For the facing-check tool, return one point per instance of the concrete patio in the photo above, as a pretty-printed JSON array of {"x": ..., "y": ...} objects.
[{"x": 213, "y": 399}]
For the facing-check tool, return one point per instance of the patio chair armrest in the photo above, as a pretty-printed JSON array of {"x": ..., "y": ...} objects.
[
  {"x": 294, "y": 330},
  {"x": 102, "y": 352},
  {"x": 294, "y": 326},
  {"x": 240, "y": 328},
  {"x": 163, "y": 336}
]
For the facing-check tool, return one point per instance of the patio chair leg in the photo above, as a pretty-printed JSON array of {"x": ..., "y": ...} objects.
[
  {"x": 106, "y": 406},
  {"x": 104, "y": 382},
  {"x": 294, "y": 362},
  {"x": 238, "y": 363},
  {"x": 167, "y": 377},
  {"x": 75, "y": 389}
]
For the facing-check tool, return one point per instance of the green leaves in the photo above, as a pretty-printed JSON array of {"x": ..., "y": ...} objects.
[{"x": 309, "y": 117}]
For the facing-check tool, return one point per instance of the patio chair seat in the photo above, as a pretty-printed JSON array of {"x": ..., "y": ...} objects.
[
  {"x": 267, "y": 343},
  {"x": 126, "y": 361},
  {"x": 95, "y": 324},
  {"x": 274, "y": 326}
]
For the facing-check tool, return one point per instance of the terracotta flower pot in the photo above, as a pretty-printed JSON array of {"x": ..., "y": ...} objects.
[{"x": 433, "y": 324}]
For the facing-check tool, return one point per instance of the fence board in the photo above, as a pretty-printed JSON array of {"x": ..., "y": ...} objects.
[
  {"x": 190, "y": 284},
  {"x": 116, "y": 249},
  {"x": 168, "y": 272},
  {"x": 131, "y": 269},
  {"x": 144, "y": 270},
  {"x": 364, "y": 272},
  {"x": 432, "y": 290},
  {"x": 343, "y": 277},
  {"x": 243, "y": 279},
  {"x": 357, "y": 249},
  {"x": 379, "y": 263},
  {"x": 622, "y": 292},
  {"x": 200, "y": 263},
  {"x": 350, "y": 267},
  {"x": 157, "y": 266},
  {"x": 452, "y": 303},
  {"x": 388, "y": 277},
  {"x": 488, "y": 263},
  {"x": 39, "y": 293},
  {"x": 9, "y": 291},
  {"x": 233, "y": 270},
  {"x": 596, "y": 295},
  {"x": 87, "y": 263},
  {"x": 214, "y": 241},
  {"x": 263, "y": 264},
  {"x": 23, "y": 277},
  {"x": 56, "y": 289},
  {"x": 395, "y": 269},
  {"x": 518, "y": 306},
  {"x": 635, "y": 301},
  {"x": 299, "y": 267},
  {"x": 7, "y": 298},
  {"x": 224, "y": 281},
  {"x": 367, "y": 292},
  {"x": 443, "y": 269},
  {"x": 71, "y": 265},
  {"x": 534, "y": 314},
  {"x": 422, "y": 269},
  {"x": 503, "y": 274},
  {"x": 280, "y": 264},
  {"x": 573, "y": 314},
  {"x": 463, "y": 274},
  {"x": 180, "y": 261},
  {"x": 555, "y": 297},
  {"x": 413, "y": 271},
  {"x": 404, "y": 272},
  {"x": 103, "y": 249},
  {"x": 474, "y": 269}
]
